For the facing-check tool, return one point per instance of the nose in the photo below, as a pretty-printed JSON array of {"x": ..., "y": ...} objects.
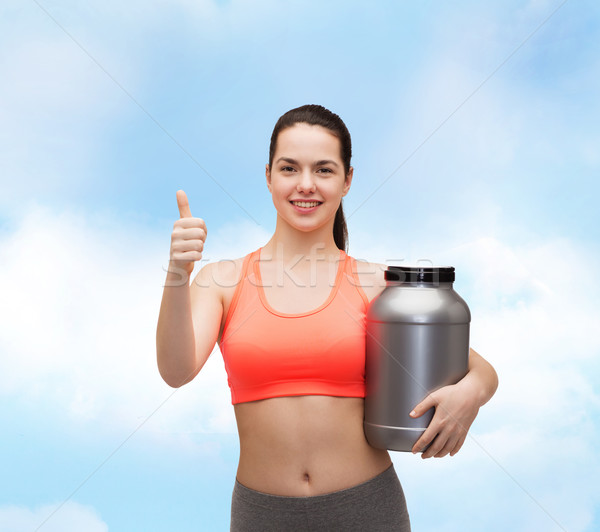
[{"x": 306, "y": 183}]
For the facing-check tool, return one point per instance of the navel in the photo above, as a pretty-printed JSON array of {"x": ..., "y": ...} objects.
[{"x": 306, "y": 477}]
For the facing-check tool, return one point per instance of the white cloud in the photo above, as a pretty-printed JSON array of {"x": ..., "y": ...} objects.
[
  {"x": 70, "y": 517},
  {"x": 79, "y": 315}
]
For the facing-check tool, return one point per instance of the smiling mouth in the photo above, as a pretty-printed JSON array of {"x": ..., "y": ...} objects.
[{"x": 306, "y": 204}]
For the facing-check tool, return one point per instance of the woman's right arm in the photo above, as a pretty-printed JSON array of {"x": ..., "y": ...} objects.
[{"x": 185, "y": 339}]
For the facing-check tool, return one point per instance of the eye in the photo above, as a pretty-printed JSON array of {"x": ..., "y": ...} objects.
[
  {"x": 326, "y": 169},
  {"x": 285, "y": 168}
]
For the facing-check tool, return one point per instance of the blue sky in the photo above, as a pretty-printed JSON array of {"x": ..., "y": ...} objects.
[{"x": 475, "y": 143}]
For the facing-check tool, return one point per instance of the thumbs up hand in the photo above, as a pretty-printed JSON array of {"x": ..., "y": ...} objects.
[{"x": 187, "y": 238}]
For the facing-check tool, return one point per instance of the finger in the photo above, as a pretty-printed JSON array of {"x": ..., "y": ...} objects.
[
  {"x": 447, "y": 448},
  {"x": 425, "y": 439},
  {"x": 182, "y": 246},
  {"x": 457, "y": 447},
  {"x": 183, "y": 205},
  {"x": 423, "y": 406},
  {"x": 190, "y": 223},
  {"x": 192, "y": 233},
  {"x": 436, "y": 445}
]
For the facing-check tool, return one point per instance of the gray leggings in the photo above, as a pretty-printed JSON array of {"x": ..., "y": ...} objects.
[{"x": 375, "y": 505}]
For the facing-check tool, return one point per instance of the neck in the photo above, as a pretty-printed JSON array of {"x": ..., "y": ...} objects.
[{"x": 287, "y": 243}]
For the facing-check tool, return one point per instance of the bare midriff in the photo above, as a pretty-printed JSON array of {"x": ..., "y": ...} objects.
[{"x": 305, "y": 445}]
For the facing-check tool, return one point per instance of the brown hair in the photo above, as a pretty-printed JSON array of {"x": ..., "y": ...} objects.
[{"x": 317, "y": 115}]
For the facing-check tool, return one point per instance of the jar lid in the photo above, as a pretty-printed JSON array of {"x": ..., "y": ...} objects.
[{"x": 420, "y": 274}]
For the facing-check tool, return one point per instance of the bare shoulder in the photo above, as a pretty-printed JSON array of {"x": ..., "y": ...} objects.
[
  {"x": 222, "y": 275},
  {"x": 221, "y": 279},
  {"x": 370, "y": 275}
]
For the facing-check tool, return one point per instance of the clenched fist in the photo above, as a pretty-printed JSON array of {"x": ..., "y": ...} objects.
[{"x": 188, "y": 237}]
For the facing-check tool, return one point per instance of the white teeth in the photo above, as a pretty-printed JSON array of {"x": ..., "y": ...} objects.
[{"x": 306, "y": 203}]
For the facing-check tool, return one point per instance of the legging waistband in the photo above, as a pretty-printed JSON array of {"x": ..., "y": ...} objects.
[{"x": 358, "y": 492}]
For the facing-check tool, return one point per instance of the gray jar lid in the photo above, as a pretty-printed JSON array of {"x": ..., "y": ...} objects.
[{"x": 420, "y": 274}]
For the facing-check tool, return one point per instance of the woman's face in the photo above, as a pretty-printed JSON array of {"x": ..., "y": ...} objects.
[{"x": 307, "y": 166}]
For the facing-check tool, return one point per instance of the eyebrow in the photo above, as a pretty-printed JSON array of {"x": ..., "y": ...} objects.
[{"x": 318, "y": 163}]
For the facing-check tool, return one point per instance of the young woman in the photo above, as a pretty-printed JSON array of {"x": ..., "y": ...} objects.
[{"x": 289, "y": 320}]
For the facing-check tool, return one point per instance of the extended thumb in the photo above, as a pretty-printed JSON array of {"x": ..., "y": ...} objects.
[{"x": 183, "y": 205}]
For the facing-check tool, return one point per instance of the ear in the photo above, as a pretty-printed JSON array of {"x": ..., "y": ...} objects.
[
  {"x": 268, "y": 174},
  {"x": 348, "y": 181}
]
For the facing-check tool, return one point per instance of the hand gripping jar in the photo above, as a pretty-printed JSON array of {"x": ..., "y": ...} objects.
[{"x": 417, "y": 340}]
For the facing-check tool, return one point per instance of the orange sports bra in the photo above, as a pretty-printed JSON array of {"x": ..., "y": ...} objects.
[{"x": 273, "y": 354}]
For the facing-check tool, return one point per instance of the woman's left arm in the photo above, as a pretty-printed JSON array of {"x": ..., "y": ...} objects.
[{"x": 456, "y": 407}]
